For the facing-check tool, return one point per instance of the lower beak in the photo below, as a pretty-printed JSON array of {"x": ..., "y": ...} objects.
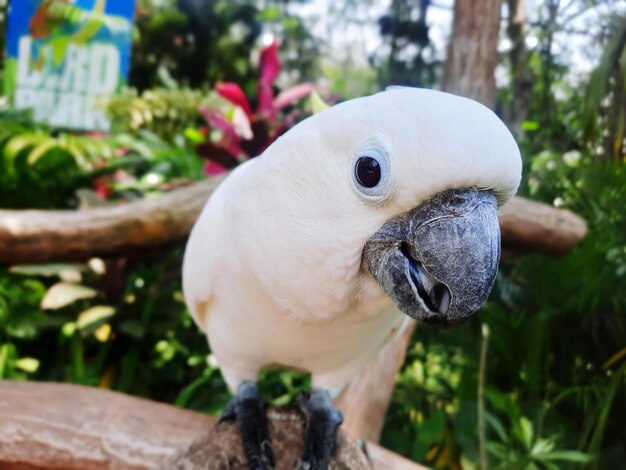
[{"x": 438, "y": 261}]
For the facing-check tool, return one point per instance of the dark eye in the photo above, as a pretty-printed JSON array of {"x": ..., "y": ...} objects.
[
  {"x": 370, "y": 173},
  {"x": 367, "y": 172}
]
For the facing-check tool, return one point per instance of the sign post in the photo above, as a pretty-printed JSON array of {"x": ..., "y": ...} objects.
[{"x": 65, "y": 58}]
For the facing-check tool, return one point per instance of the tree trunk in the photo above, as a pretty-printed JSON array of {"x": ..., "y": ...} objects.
[
  {"x": 472, "y": 51},
  {"x": 522, "y": 75}
]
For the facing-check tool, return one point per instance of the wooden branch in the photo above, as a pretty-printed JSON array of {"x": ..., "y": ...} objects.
[
  {"x": 35, "y": 236},
  {"x": 60, "y": 426},
  {"x": 532, "y": 226},
  {"x": 70, "y": 427}
]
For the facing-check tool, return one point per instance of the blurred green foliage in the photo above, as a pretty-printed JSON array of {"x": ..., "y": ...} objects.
[
  {"x": 54, "y": 166},
  {"x": 196, "y": 43},
  {"x": 193, "y": 42},
  {"x": 554, "y": 374},
  {"x": 411, "y": 59},
  {"x": 165, "y": 112}
]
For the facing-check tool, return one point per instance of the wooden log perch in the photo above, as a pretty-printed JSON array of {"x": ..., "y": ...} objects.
[
  {"x": 35, "y": 236},
  {"x": 70, "y": 427},
  {"x": 221, "y": 447},
  {"x": 532, "y": 226}
]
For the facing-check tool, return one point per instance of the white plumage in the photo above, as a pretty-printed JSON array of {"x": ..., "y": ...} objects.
[{"x": 273, "y": 270}]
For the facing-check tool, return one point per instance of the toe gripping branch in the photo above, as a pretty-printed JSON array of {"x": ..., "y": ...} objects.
[
  {"x": 323, "y": 419},
  {"x": 248, "y": 409}
]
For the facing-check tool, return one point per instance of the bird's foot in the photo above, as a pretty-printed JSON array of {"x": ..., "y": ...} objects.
[
  {"x": 247, "y": 408},
  {"x": 323, "y": 419}
]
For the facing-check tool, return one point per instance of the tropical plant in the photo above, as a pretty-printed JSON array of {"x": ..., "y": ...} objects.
[
  {"x": 55, "y": 167},
  {"x": 243, "y": 133},
  {"x": 604, "y": 115},
  {"x": 164, "y": 112}
]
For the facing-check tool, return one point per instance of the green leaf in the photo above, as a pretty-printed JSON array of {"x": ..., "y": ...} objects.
[
  {"x": 543, "y": 446},
  {"x": 497, "y": 450},
  {"x": 7, "y": 350},
  {"x": 548, "y": 466},
  {"x": 497, "y": 426},
  {"x": 50, "y": 158},
  {"x": 93, "y": 317},
  {"x": 526, "y": 431},
  {"x": 187, "y": 393},
  {"x": 65, "y": 293},
  {"x": 270, "y": 14},
  {"x": 4, "y": 310},
  {"x": 15, "y": 146},
  {"x": 530, "y": 125},
  {"x": 27, "y": 364},
  {"x": 68, "y": 329},
  {"x": 194, "y": 136},
  {"x": 46, "y": 270},
  {"x": 21, "y": 330},
  {"x": 567, "y": 456},
  {"x": 317, "y": 103},
  {"x": 40, "y": 150}
]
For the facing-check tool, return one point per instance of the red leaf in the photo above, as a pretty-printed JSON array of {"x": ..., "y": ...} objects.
[
  {"x": 213, "y": 168},
  {"x": 101, "y": 187},
  {"x": 270, "y": 68},
  {"x": 233, "y": 93},
  {"x": 218, "y": 154},
  {"x": 121, "y": 151},
  {"x": 217, "y": 121},
  {"x": 293, "y": 94},
  {"x": 230, "y": 139},
  {"x": 262, "y": 138}
]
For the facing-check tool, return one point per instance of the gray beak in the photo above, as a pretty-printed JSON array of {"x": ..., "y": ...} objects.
[{"x": 438, "y": 261}]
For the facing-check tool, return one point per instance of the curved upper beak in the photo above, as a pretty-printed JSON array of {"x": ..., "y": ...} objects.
[{"x": 438, "y": 262}]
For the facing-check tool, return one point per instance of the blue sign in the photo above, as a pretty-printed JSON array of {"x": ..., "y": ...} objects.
[{"x": 65, "y": 58}]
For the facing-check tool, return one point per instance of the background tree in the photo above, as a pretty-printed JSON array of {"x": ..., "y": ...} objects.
[
  {"x": 405, "y": 31},
  {"x": 194, "y": 43},
  {"x": 604, "y": 116},
  {"x": 522, "y": 75},
  {"x": 472, "y": 50}
]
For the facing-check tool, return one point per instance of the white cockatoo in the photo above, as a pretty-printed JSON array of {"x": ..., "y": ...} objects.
[{"x": 369, "y": 214}]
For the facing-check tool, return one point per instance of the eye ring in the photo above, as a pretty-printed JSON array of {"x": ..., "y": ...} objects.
[{"x": 370, "y": 172}]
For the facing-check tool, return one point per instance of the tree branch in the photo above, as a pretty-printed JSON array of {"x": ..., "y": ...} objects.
[
  {"x": 36, "y": 236},
  {"x": 71, "y": 427}
]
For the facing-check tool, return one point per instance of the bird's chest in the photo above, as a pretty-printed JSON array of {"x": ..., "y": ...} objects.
[
  {"x": 304, "y": 306},
  {"x": 267, "y": 335}
]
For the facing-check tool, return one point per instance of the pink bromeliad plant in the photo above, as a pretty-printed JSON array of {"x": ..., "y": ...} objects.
[{"x": 244, "y": 134}]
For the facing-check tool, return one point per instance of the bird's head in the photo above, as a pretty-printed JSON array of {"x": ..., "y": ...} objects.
[{"x": 412, "y": 179}]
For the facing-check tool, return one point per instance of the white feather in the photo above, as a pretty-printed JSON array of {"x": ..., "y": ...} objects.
[{"x": 273, "y": 270}]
